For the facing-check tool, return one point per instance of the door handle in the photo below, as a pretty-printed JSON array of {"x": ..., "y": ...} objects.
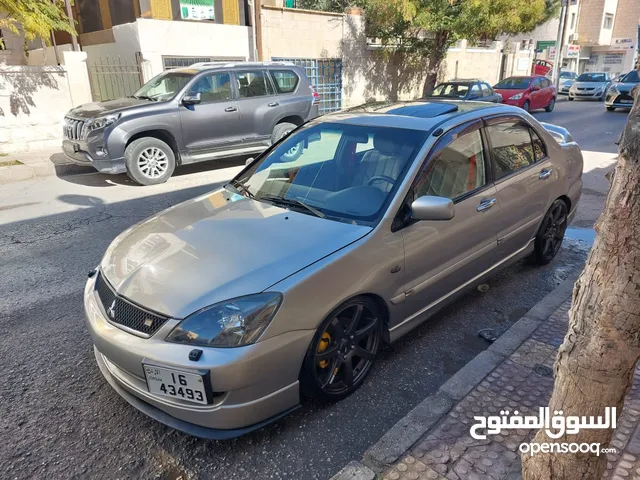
[
  {"x": 545, "y": 173},
  {"x": 273, "y": 104},
  {"x": 486, "y": 204},
  {"x": 231, "y": 109}
]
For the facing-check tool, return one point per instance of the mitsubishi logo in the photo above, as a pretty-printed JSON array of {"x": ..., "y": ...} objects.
[{"x": 111, "y": 311}]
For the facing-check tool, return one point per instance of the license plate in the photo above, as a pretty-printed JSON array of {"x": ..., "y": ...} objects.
[
  {"x": 70, "y": 148},
  {"x": 175, "y": 384},
  {"x": 626, "y": 101}
]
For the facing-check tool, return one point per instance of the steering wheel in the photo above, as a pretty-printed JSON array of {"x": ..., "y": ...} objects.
[{"x": 383, "y": 178}]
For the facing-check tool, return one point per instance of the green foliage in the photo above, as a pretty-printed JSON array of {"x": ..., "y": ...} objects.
[{"x": 36, "y": 18}]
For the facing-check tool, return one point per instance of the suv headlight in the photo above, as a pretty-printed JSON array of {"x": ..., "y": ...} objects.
[
  {"x": 99, "y": 123},
  {"x": 232, "y": 323},
  {"x": 613, "y": 90},
  {"x": 516, "y": 97}
]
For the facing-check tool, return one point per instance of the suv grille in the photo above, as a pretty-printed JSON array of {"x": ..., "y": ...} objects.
[
  {"x": 122, "y": 312},
  {"x": 72, "y": 128}
]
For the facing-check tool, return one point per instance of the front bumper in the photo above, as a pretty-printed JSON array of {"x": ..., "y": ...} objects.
[
  {"x": 81, "y": 153},
  {"x": 253, "y": 385},
  {"x": 619, "y": 100},
  {"x": 515, "y": 103},
  {"x": 587, "y": 94}
]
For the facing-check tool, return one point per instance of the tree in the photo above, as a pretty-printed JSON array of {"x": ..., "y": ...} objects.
[
  {"x": 36, "y": 18},
  {"x": 595, "y": 365},
  {"x": 427, "y": 28}
]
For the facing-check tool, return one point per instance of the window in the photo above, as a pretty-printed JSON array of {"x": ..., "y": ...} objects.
[
  {"x": 254, "y": 84},
  {"x": 451, "y": 90},
  {"x": 539, "y": 149},
  {"x": 213, "y": 88},
  {"x": 512, "y": 148},
  {"x": 486, "y": 90},
  {"x": 165, "y": 86},
  {"x": 608, "y": 21},
  {"x": 545, "y": 82},
  {"x": 455, "y": 170},
  {"x": 169, "y": 63},
  {"x": 285, "y": 81},
  {"x": 613, "y": 58},
  {"x": 573, "y": 21}
]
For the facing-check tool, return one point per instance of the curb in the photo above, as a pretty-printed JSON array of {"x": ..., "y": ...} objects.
[
  {"x": 19, "y": 173},
  {"x": 413, "y": 426}
]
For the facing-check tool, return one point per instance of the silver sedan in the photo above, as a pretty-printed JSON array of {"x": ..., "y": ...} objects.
[{"x": 216, "y": 315}]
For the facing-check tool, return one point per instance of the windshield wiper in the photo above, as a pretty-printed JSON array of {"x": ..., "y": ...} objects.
[
  {"x": 292, "y": 202},
  {"x": 242, "y": 188},
  {"x": 144, "y": 97}
]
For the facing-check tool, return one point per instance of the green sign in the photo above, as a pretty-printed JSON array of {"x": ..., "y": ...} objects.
[
  {"x": 544, "y": 44},
  {"x": 197, "y": 9}
]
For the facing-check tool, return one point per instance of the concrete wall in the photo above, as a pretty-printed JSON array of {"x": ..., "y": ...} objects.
[
  {"x": 590, "y": 21},
  {"x": 13, "y": 53},
  {"x": 606, "y": 34},
  {"x": 34, "y": 99},
  {"x": 47, "y": 55}
]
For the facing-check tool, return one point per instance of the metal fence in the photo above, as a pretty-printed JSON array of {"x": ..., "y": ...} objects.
[
  {"x": 326, "y": 75},
  {"x": 114, "y": 77}
]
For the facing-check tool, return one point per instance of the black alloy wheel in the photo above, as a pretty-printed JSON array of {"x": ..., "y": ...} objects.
[
  {"x": 552, "y": 230},
  {"x": 343, "y": 351}
]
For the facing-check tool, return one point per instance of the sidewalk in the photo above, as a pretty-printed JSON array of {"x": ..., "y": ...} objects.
[
  {"x": 516, "y": 372},
  {"x": 42, "y": 163}
]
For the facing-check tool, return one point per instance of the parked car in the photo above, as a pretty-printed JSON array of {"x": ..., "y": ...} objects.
[
  {"x": 541, "y": 67},
  {"x": 205, "y": 112},
  {"x": 566, "y": 80},
  {"x": 528, "y": 93},
  {"x": 590, "y": 85},
  {"x": 465, "y": 90},
  {"x": 619, "y": 94},
  {"x": 215, "y": 315}
]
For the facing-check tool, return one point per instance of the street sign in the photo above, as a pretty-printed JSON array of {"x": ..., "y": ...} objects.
[
  {"x": 542, "y": 44},
  {"x": 572, "y": 51}
]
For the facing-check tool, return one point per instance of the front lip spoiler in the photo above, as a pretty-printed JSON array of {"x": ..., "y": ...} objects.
[{"x": 185, "y": 427}]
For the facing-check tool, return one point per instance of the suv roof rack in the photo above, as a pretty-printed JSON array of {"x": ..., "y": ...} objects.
[{"x": 227, "y": 64}]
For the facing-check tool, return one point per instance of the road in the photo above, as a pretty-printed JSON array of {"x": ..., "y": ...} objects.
[{"x": 64, "y": 421}]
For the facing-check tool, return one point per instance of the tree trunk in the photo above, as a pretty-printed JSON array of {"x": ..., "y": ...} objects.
[
  {"x": 435, "y": 58},
  {"x": 595, "y": 364}
]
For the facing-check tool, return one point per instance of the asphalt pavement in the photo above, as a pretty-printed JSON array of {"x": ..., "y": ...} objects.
[{"x": 60, "y": 419}]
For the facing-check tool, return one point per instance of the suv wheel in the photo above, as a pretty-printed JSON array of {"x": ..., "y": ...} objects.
[
  {"x": 149, "y": 161},
  {"x": 281, "y": 130}
]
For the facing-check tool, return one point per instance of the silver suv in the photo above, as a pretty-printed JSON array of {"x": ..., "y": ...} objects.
[{"x": 203, "y": 112}]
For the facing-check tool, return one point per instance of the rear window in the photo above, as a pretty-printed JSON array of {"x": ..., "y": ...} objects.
[{"x": 285, "y": 81}]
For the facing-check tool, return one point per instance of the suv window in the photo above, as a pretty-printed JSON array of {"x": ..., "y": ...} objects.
[
  {"x": 512, "y": 148},
  {"x": 285, "y": 81},
  {"x": 215, "y": 87},
  {"x": 454, "y": 170},
  {"x": 253, "y": 83}
]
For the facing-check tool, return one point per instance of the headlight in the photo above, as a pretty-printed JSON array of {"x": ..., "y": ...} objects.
[
  {"x": 613, "y": 90},
  {"x": 98, "y": 123},
  {"x": 516, "y": 97},
  {"x": 233, "y": 323}
]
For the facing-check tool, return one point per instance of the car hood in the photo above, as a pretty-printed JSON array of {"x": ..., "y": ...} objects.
[
  {"x": 590, "y": 84},
  {"x": 216, "y": 247},
  {"x": 625, "y": 87},
  {"x": 97, "y": 109}
]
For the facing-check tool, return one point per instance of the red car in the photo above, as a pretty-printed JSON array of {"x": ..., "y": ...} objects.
[
  {"x": 541, "y": 67},
  {"x": 528, "y": 93}
]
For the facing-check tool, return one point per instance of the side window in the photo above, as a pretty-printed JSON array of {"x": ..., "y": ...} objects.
[
  {"x": 213, "y": 88},
  {"x": 546, "y": 83},
  {"x": 512, "y": 148},
  {"x": 253, "y": 83},
  {"x": 486, "y": 91},
  {"x": 285, "y": 81},
  {"x": 539, "y": 149},
  {"x": 454, "y": 170}
]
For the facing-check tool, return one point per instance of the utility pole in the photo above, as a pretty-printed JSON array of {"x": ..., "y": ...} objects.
[
  {"x": 74, "y": 39},
  {"x": 555, "y": 75},
  {"x": 258, "y": 20}
]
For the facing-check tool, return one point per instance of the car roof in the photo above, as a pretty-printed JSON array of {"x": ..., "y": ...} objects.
[
  {"x": 198, "y": 67},
  {"x": 415, "y": 115}
]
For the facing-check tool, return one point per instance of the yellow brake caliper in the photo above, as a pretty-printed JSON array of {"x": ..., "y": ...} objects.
[{"x": 323, "y": 344}]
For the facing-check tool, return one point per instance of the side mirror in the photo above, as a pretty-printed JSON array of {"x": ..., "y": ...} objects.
[
  {"x": 535, "y": 88},
  {"x": 432, "y": 208},
  {"x": 249, "y": 161},
  {"x": 192, "y": 99}
]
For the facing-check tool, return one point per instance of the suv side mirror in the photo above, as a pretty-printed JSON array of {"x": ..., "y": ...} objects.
[
  {"x": 191, "y": 99},
  {"x": 432, "y": 208}
]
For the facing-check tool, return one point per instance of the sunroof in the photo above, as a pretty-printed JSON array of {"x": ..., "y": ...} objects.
[{"x": 424, "y": 110}]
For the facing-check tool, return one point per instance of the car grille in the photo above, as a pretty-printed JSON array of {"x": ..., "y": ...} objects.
[
  {"x": 121, "y": 312},
  {"x": 587, "y": 89},
  {"x": 624, "y": 97},
  {"x": 72, "y": 128}
]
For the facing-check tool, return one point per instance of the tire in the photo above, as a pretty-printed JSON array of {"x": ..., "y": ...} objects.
[
  {"x": 334, "y": 345},
  {"x": 552, "y": 229},
  {"x": 526, "y": 106},
  {"x": 551, "y": 106},
  {"x": 149, "y": 161},
  {"x": 281, "y": 130},
  {"x": 571, "y": 99}
]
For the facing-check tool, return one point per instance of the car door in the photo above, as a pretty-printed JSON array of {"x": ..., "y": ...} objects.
[
  {"x": 212, "y": 124},
  {"x": 548, "y": 89},
  {"x": 259, "y": 106},
  {"x": 442, "y": 256},
  {"x": 536, "y": 97},
  {"x": 524, "y": 178}
]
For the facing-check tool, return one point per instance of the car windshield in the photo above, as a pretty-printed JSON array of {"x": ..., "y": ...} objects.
[
  {"x": 165, "y": 86},
  {"x": 631, "y": 77},
  {"x": 592, "y": 77},
  {"x": 567, "y": 75},
  {"x": 348, "y": 173},
  {"x": 451, "y": 90},
  {"x": 514, "y": 83}
]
